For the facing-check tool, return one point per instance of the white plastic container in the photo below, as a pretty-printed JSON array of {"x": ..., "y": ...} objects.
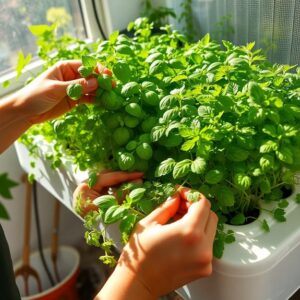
[{"x": 258, "y": 265}]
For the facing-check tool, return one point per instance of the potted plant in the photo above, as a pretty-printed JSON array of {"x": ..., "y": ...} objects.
[{"x": 217, "y": 118}]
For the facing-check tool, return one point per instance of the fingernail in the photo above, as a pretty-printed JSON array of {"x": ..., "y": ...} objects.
[
  {"x": 92, "y": 83},
  {"x": 170, "y": 199}
]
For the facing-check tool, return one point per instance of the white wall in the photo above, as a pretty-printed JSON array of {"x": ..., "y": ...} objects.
[{"x": 71, "y": 228}]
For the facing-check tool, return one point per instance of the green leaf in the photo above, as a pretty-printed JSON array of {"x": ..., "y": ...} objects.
[
  {"x": 124, "y": 49},
  {"x": 165, "y": 167},
  {"x": 113, "y": 37},
  {"x": 114, "y": 214},
  {"x": 256, "y": 92},
  {"x": 285, "y": 154},
  {"x": 92, "y": 179},
  {"x": 137, "y": 194},
  {"x": 5, "y": 185},
  {"x": 265, "y": 226},
  {"x": 3, "y": 212},
  {"x": 186, "y": 132},
  {"x": 229, "y": 237},
  {"x": 238, "y": 219},
  {"x": 266, "y": 162},
  {"x": 74, "y": 91},
  {"x": 39, "y": 30},
  {"x": 85, "y": 71},
  {"x": 22, "y": 63},
  {"x": 218, "y": 248},
  {"x": 242, "y": 181},
  {"x": 265, "y": 186},
  {"x": 205, "y": 40},
  {"x": 167, "y": 102},
  {"x": 182, "y": 168},
  {"x": 89, "y": 61},
  {"x": 225, "y": 196},
  {"x": 105, "y": 201},
  {"x": 205, "y": 111},
  {"x": 214, "y": 176},
  {"x": 179, "y": 78},
  {"x": 279, "y": 215},
  {"x": 297, "y": 199},
  {"x": 283, "y": 203},
  {"x": 268, "y": 146},
  {"x": 257, "y": 172},
  {"x": 189, "y": 145},
  {"x": 237, "y": 154},
  {"x": 126, "y": 161},
  {"x": 270, "y": 130},
  {"x": 198, "y": 166},
  {"x": 250, "y": 46},
  {"x": 92, "y": 238},
  {"x": 158, "y": 66},
  {"x": 5, "y": 83},
  {"x": 193, "y": 196},
  {"x": 169, "y": 115},
  {"x": 130, "y": 89},
  {"x": 157, "y": 133},
  {"x": 273, "y": 116},
  {"x": 122, "y": 71},
  {"x": 127, "y": 224}
]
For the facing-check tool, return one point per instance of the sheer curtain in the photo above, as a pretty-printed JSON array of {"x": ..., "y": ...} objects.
[{"x": 273, "y": 24}]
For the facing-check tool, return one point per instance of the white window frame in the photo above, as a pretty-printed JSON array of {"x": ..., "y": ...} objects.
[{"x": 33, "y": 68}]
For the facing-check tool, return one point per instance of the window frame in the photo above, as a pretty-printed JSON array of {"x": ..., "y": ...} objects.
[{"x": 35, "y": 67}]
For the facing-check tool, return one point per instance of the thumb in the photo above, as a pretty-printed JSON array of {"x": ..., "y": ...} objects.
[
  {"x": 89, "y": 85},
  {"x": 164, "y": 212}
]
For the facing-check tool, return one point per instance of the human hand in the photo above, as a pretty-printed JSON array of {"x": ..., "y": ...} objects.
[
  {"x": 161, "y": 256},
  {"x": 46, "y": 98},
  {"x": 83, "y": 196}
]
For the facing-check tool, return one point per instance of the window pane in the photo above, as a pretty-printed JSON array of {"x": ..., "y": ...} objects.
[{"x": 17, "y": 15}]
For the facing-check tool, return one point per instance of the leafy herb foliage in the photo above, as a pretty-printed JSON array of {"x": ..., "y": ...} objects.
[{"x": 218, "y": 118}]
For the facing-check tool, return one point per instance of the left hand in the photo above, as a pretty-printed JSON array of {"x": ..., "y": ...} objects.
[
  {"x": 46, "y": 98},
  {"x": 83, "y": 196}
]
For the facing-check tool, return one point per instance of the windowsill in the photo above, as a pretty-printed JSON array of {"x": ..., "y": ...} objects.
[{"x": 30, "y": 70}]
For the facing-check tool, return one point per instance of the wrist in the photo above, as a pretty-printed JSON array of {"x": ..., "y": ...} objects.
[
  {"x": 130, "y": 286},
  {"x": 13, "y": 111}
]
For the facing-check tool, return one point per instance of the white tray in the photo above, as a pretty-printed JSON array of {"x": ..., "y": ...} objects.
[{"x": 257, "y": 266}]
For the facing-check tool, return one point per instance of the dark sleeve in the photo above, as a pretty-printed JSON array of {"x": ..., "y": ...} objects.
[{"x": 8, "y": 287}]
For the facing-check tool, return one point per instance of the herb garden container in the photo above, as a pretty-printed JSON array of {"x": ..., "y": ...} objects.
[
  {"x": 217, "y": 118},
  {"x": 258, "y": 265}
]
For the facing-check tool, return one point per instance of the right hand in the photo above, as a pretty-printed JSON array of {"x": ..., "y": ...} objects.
[{"x": 164, "y": 256}]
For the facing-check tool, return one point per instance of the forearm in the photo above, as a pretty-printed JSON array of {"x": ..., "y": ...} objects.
[
  {"x": 12, "y": 121},
  {"x": 123, "y": 284}
]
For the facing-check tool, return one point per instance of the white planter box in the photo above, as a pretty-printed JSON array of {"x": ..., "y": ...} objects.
[{"x": 258, "y": 265}]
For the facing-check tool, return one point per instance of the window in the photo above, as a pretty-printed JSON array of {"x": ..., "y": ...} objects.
[{"x": 17, "y": 15}]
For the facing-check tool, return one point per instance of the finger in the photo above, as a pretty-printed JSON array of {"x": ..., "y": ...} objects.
[
  {"x": 100, "y": 68},
  {"x": 211, "y": 226},
  {"x": 164, "y": 212},
  {"x": 103, "y": 70},
  {"x": 137, "y": 181},
  {"x": 198, "y": 214},
  {"x": 89, "y": 85},
  {"x": 86, "y": 99},
  {"x": 82, "y": 199},
  {"x": 64, "y": 70},
  {"x": 115, "y": 178}
]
